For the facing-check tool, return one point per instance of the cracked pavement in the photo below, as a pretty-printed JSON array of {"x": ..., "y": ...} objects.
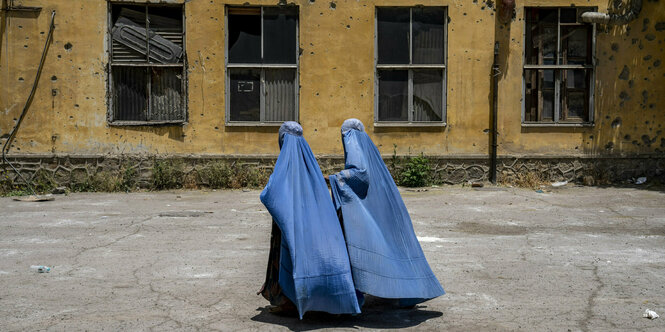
[{"x": 572, "y": 258}]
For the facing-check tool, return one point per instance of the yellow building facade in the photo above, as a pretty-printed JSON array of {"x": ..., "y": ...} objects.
[{"x": 72, "y": 113}]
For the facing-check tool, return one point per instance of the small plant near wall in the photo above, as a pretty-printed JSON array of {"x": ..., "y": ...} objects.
[
  {"x": 416, "y": 172},
  {"x": 168, "y": 174}
]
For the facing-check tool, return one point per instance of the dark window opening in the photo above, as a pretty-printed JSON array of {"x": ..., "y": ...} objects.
[
  {"x": 147, "y": 75},
  {"x": 558, "y": 70},
  {"x": 410, "y": 67},
  {"x": 262, "y": 64}
]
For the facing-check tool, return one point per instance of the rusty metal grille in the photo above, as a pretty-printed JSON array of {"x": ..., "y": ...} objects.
[{"x": 147, "y": 75}]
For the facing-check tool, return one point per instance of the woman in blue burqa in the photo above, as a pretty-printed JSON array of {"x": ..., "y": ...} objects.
[
  {"x": 386, "y": 258},
  {"x": 308, "y": 266}
]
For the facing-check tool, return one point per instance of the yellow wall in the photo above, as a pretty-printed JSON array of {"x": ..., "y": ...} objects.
[{"x": 336, "y": 78}]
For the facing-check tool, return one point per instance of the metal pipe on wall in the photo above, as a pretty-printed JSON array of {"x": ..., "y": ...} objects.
[
  {"x": 615, "y": 19},
  {"x": 12, "y": 134}
]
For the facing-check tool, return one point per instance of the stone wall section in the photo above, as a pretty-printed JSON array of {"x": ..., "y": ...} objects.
[{"x": 67, "y": 170}]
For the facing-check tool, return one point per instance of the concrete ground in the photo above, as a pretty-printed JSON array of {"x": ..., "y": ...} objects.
[{"x": 574, "y": 258}]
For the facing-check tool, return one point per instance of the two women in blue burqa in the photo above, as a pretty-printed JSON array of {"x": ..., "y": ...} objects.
[{"x": 326, "y": 253}]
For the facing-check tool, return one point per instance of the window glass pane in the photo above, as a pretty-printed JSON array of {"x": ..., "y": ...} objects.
[
  {"x": 245, "y": 37},
  {"x": 428, "y": 35},
  {"x": 393, "y": 35},
  {"x": 541, "y": 36},
  {"x": 568, "y": 15},
  {"x": 279, "y": 29},
  {"x": 166, "y": 98},
  {"x": 245, "y": 94},
  {"x": 128, "y": 33},
  {"x": 548, "y": 105},
  {"x": 393, "y": 95},
  {"x": 575, "y": 45},
  {"x": 166, "y": 23},
  {"x": 129, "y": 93},
  {"x": 539, "y": 95},
  {"x": 531, "y": 95},
  {"x": 547, "y": 15},
  {"x": 427, "y": 95},
  {"x": 576, "y": 104},
  {"x": 547, "y": 79},
  {"x": 575, "y": 94},
  {"x": 576, "y": 79},
  {"x": 280, "y": 94}
]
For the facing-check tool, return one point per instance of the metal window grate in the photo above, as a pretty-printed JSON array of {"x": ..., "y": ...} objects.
[{"x": 147, "y": 80}]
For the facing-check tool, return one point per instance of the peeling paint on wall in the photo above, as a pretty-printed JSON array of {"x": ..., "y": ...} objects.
[{"x": 337, "y": 82}]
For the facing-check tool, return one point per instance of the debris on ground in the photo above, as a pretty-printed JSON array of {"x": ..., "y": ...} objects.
[
  {"x": 59, "y": 190},
  {"x": 540, "y": 191},
  {"x": 641, "y": 180},
  {"x": 33, "y": 198},
  {"x": 183, "y": 214},
  {"x": 650, "y": 314},
  {"x": 41, "y": 268},
  {"x": 559, "y": 184},
  {"x": 477, "y": 185}
]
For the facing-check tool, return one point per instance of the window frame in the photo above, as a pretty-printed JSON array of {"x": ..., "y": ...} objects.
[
  {"x": 184, "y": 65},
  {"x": 262, "y": 67},
  {"x": 411, "y": 67},
  {"x": 557, "y": 119}
]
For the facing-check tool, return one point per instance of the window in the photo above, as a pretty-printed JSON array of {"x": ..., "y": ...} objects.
[
  {"x": 262, "y": 65},
  {"x": 410, "y": 65},
  {"x": 147, "y": 67},
  {"x": 559, "y": 67}
]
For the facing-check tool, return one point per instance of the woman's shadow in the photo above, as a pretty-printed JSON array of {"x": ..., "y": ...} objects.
[{"x": 377, "y": 313}]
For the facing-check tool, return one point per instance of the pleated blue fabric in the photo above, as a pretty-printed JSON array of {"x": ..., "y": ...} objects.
[
  {"x": 314, "y": 270},
  {"x": 386, "y": 258}
]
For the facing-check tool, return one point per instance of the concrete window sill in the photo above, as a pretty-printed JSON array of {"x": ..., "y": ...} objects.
[
  {"x": 254, "y": 124},
  {"x": 545, "y": 125},
  {"x": 147, "y": 123},
  {"x": 409, "y": 124}
]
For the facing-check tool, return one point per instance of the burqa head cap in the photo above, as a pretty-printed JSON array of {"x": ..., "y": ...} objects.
[
  {"x": 352, "y": 123},
  {"x": 289, "y": 127}
]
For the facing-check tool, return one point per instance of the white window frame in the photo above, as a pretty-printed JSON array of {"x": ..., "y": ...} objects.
[
  {"x": 410, "y": 67},
  {"x": 557, "y": 84},
  {"x": 262, "y": 67}
]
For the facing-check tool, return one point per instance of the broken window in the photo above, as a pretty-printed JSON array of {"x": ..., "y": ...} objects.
[
  {"x": 262, "y": 68},
  {"x": 410, "y": 64},
  {"x": 559, "y": 67},
  {"x": 147, "y": 68}
]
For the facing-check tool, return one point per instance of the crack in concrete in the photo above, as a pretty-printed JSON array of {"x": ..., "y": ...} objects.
[
  {"x": 591, "y": 301},
  {"x": 77, "y": 256}
]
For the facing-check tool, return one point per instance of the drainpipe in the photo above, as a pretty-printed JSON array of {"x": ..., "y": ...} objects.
[
  {"x": 495, "y": 89},
  {"x": 614, "y": 19}
]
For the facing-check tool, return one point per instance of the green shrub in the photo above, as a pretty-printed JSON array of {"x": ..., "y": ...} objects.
[
  {"x": 416, "y": 172},
  {"x": 43, "y": 181},
  {"x": 218, "y": 174},
  {"x": 222, "y": 174},
  {"x": 168, "y": 174},
  {"x": 129, "y": 177}
]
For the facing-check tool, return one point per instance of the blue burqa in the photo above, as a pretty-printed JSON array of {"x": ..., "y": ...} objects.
[
  {"x": 314, "y": 268},
  {"x": 386, "y": 258}
]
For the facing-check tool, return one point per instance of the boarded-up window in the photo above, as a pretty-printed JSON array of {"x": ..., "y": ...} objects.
[
  {"x": 147, "y": 67},
  {"x": 262, "y": 66},
  {"x": 558, "y": 68},
  {"x": 410, "y": 64}
]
